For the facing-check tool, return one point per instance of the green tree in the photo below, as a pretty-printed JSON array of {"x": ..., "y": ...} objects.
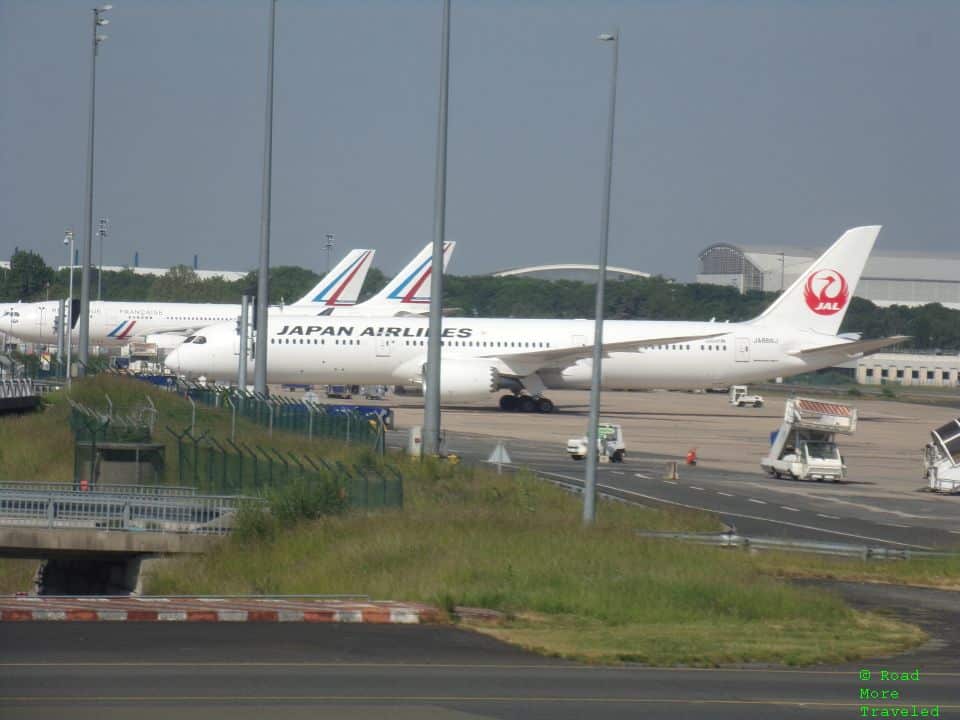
[{"x": 27, "y": 278}]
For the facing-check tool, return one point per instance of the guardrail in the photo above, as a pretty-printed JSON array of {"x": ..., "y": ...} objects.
[
  {"x": 194, "y": 514},
  {"x": 867, "y": 552}
]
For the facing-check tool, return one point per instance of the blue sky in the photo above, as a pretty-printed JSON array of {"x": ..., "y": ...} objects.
[{"x": 748, "y": 122}]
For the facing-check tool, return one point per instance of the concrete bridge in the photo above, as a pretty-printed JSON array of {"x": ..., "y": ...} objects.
[{"x": 94, "y": 540}]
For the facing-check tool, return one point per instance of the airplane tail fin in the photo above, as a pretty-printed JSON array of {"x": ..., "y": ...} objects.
[
  {"x": 409, "y": 291},
  {"x": 819, "y": 298},
  {"x": 341, "y": 286}
]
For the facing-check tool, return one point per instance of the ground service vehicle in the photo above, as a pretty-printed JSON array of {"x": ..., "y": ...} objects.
[
  {"x": 804, "y": 448},
  {"x": 941, "y": 458},
  {"x": 609, "y": 443},
  {"x": 740, "y": 398}
]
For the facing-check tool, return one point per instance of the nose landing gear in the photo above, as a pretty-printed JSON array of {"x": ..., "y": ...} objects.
[{"x": 526, "y": 404}]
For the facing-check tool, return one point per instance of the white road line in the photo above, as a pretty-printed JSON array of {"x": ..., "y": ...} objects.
[
  {"x": 955, "y": 532},
  {"x": 694, "y": 487},
  {"x": 828, "y": 517},
  {"x": 758, "y": 502},
  {"x": 670, "y": 481},
  {"x": 743, "y": 515},
  {"x": 787, "y": 507},
  {"x": 725, "y": 494},
  {"x": 618, "y": 472},
  {"x": 641, "y": 476},
  {"x": 888, "y": 524}
]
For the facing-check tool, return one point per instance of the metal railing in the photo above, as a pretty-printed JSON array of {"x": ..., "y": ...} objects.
[
  {"x": 196, "y": 514},
  {"x": 19, "y": 388},
  {"x": 121, "y": 490},
  {"x": 867, "y": 552}
]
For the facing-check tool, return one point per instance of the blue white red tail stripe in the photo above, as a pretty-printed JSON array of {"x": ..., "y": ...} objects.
[
  {"x": 406, "y": 291},
  {"x": 122, "y": 330},
  {"x": 340, "y": 283}
]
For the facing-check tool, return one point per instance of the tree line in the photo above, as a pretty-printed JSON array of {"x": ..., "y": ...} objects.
[{"x": 932, "y": 326}]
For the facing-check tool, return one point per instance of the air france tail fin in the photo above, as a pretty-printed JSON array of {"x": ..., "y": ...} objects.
[
  {"x": 819, "y": 298},
  {"x": 341, "y": 286},
  {"x": 409, "y": 291}
]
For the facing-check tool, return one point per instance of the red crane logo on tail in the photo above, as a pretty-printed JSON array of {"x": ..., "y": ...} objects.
[{"x": 826, "y": 292}]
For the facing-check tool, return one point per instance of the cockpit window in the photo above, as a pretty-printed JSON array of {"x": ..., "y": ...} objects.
[
  {"x": 189, "y": 339},
  {"x": 199, "y": 340}
]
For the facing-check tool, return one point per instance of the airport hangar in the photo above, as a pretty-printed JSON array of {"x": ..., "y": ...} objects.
[{"x": 907, "y": 279}]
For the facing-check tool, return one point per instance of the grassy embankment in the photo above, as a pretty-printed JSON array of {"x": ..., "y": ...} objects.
[{"x": 469, "y": 537}]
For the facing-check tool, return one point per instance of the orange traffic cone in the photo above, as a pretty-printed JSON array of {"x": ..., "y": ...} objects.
[{"x": 692, "y": 456}]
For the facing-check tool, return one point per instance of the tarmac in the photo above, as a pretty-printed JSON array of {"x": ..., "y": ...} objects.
[{"x": 883, "y": 502}]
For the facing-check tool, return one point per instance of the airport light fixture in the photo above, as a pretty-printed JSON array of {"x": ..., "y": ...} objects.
[
  {"x": 68, "y": 241},
  {"x": 328, "y": 246},
  {"x": 101, "y": 234},
  {"x": 263, "y": 276},
  {"x": 431, "y": 405},
  {"x": 590, "y": 475},
  {"x": 97, "y": 38}
]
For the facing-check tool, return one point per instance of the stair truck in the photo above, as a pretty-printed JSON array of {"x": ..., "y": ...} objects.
[
  {"x": 805, "y": 448},
  {"x": 941, "y": 458}
]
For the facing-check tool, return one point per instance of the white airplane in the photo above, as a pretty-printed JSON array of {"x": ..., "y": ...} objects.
[
  {"x": 407, "y": 294},
  {"x": 796, "y": 334},
  {"x": 167, "y": 324}
]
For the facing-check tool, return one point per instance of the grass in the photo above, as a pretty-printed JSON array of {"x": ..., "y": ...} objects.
[
  {"x": 943, "y": 573},
  {"x": 17, "y": 575},
  {"x": 514, "y": 544}
]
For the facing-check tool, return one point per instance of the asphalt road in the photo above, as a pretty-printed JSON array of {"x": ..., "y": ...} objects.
[
  {"x": 753, "y": 504},
  {"x": 192, "y": 671}
]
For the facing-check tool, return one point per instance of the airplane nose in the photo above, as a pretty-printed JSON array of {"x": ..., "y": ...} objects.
[{"x": 172, "y": 361}]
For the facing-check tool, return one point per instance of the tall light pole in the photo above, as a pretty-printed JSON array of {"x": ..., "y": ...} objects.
[
  {"x": 68, "y": 241},
  {"x": 431, "y": 405},
  {"x": 590, "y": 477},
  {"x": 99, "y": 21},
  {"x": 101, "y": 234},
  {"x": 328, "y": 247},
  {"x": 263, "y": 276}
]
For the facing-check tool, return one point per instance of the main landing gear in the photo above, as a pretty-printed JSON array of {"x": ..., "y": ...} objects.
[{"x": 525, "y": 403}]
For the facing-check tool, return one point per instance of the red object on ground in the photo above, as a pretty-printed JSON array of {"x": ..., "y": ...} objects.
[
  {"x": 692, "y": 456},
  {"x": 213, "y": 609}
]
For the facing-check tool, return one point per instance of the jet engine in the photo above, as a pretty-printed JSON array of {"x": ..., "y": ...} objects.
[{"x": 466, "y": 379}]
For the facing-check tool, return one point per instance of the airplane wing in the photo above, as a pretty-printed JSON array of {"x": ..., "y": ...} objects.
[
  {"x": 523, "y": 363},
  {"x": 852, "y": 349}
]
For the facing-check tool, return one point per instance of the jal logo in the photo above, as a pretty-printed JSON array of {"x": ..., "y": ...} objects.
[{"x": 826, "y": 292}]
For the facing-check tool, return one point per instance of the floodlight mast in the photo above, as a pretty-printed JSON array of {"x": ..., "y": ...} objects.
[
  {"x": 87, "y": 248},
  {"x": 590, "y": 474}
]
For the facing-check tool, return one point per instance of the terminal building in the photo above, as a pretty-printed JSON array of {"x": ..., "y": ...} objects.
[
  {"x": 888, "y": 279},
  {"x": 909, "y": 369}
]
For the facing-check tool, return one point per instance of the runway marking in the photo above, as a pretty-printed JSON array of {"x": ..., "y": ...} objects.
[
  {"x": 955, "y": 532},
  {"x": 748, "y": 517},
  {"x": 618, "y": 472},
  {"x": 672, "y": 482},
  {"x": 694, "y": 487},
  {"x": 787, "y": 507},
  {"x": 33, "y": 700},
  {"x": 725, "y": 494},
  {"x": 446, "y": 666},
  {"x": 758, "y": 502},
  {"x": 642, "y": 476},
  {"x": 828, "y": 517},
  {"x": 890, "y": 524}
]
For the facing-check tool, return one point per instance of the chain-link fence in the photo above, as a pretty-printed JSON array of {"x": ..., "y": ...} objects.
[
  {"x": 225, "y": 467},
  {"x": 298, "y": 416}
]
